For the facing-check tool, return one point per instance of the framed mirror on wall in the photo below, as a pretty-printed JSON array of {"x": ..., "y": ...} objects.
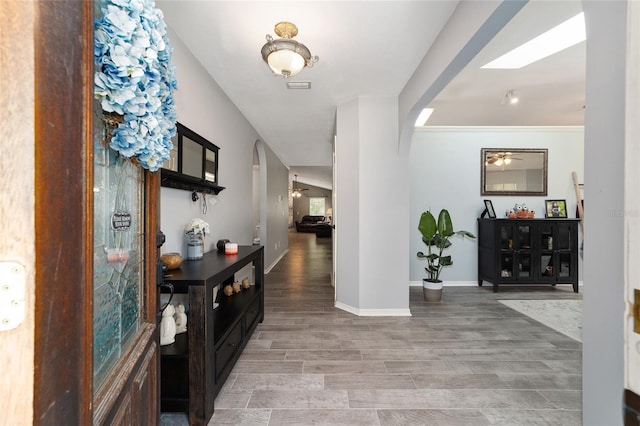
[
  {"x": 193, "y": 163},
  {"x": 511, "y": 171}
]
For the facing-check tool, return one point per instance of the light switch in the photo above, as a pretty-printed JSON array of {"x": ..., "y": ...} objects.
[{"x": 12, "y": 295}]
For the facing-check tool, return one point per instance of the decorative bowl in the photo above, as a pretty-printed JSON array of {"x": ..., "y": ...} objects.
[{"x": 172, "y": 260}]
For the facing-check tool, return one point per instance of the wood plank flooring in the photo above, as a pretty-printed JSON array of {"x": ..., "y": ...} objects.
[{"x": 468, "y": 360}]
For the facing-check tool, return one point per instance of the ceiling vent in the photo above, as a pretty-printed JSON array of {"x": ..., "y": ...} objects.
[{"x": 298, "y": 85}]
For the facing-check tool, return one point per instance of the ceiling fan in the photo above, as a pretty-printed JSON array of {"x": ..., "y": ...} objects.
[
  {"x": 297, "y": 192},
  {"x": 500, "y": 158}
]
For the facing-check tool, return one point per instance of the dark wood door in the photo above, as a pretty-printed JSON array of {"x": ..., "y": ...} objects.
[{"x": 88, "y": 369}]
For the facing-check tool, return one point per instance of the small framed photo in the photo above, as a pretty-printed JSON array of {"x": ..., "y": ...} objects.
[
  {"x": 488, "y": 209},
  {"x": 555, "y": 208}
]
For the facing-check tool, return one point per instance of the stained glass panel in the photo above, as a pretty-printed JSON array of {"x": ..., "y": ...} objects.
[{"x": 118, "y": 253}]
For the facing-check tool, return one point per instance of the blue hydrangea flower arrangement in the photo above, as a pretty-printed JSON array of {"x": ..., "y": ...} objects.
[{"x": 135, "y": 79}]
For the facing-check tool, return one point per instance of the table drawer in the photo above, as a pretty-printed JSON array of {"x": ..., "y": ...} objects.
[
  {"x": 228, "y": 348},
  {"x": 252, "y": 314}
]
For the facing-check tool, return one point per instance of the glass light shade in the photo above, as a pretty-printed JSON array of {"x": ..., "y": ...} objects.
[{"x": 286, "y": 62}]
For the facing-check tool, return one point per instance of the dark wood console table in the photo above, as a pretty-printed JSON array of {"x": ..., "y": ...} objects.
[
  {"x": 194, "y": 368},
  {"x": 528, "y": 252}
]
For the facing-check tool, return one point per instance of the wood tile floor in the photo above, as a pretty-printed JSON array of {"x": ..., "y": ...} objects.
[{"x": 468, "y": 360}]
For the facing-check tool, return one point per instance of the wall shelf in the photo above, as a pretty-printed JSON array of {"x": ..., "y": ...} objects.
[{"x": 171, "y": 179}]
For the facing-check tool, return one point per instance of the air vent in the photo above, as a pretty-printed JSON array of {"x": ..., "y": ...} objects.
[{"x": 298, "y": 85}]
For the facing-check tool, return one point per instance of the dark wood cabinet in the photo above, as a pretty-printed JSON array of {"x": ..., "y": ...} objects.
[
  {"x": 528, "y": 252},
  {"x": 194, "y": 368}
]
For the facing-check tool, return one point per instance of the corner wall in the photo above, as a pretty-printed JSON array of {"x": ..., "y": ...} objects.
[{"x": 372, "y": 195}]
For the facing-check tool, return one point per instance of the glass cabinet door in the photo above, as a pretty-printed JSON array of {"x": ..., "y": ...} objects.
[
  {"x": 506, "y": 237},
  {"x": 546, "y": 237},
  {"x": 564, "y": 265},
  {"x": 564, "y": 237},
  {"x": 506, "y": 265},
  {"x": 524, "y": 237}
]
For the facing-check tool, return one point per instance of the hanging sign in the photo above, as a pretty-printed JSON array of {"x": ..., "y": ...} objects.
[{"x": 120, "y": 221}]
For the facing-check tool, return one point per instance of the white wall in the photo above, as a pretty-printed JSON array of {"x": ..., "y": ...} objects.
[
  {"x": 372, "y": 193},
  {"x": 603, "y": 312},
  {"x": 204, "y": 108},
  {"x": 274, "y": 206},
  {"x": 445, "y": 173},
  {"x": 346, "y": 219}
]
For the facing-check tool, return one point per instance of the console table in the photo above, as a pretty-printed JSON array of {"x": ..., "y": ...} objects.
[
  {"x": 528, "y": 252},
  {"x": 194, "y": 368}
]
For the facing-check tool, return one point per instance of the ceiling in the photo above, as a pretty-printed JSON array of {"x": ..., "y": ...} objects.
[{"x": 371, "y": 48}]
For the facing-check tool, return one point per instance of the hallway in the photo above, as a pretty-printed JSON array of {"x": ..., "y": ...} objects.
[{"x": 469, "y": 360}]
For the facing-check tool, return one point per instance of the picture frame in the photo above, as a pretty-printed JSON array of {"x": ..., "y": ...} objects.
[
  {"x": 555, "y": 208},
  {"x": 489, "y": 210}
]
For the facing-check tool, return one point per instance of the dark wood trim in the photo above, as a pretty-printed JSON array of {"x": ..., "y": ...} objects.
[
  {"x": 152, "y": 227},
  {"x": 63, "y": 42},
  {"x": 171, "y": 179},
  {"x": 631, "y": 408}
]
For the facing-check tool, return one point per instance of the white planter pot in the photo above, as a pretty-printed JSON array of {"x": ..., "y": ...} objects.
[{"x": 431, "y": 291}]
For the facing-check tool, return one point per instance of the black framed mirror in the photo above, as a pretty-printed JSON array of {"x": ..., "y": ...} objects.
[
  {"x": 513, "y": 171},
  {"x": 193, "y": 163}
]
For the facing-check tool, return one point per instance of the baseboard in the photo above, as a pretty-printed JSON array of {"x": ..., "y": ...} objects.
[
  {"x": 374, "y": 312},
  {"x": 462, "y": 283},
  {"x": 273, "y": 265},
  {"x": 448, "y": 283}
]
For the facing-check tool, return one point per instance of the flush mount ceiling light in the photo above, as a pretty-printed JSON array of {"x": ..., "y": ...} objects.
[
  {"x": 285, "y": 56},
  {"x": 563, "y": 36},
  {"x": 510, "y": 98}
]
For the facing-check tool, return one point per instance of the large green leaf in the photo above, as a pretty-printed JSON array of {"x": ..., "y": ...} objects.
[
  {"x": 427, "y": 226},
  {"x": 445, "y": 226},
  {"x": 446, "y": 261}
]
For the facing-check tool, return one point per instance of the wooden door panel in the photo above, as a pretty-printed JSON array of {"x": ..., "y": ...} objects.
[
  {"x": 145, "y": 388},
  {"x": 134, "y": 384}
]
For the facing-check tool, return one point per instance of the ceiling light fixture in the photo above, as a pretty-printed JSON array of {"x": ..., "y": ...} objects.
[
  {"x": 563, "y": 36},
  {"x": 285, "y": 56},
  {"x": 296, "y": 192},
  {"x": 510, "y": 98},
  {"x": 423, "y": 117}
]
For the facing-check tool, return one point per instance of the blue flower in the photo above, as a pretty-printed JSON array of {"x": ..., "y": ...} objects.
[{"x": 135, "y": 78}]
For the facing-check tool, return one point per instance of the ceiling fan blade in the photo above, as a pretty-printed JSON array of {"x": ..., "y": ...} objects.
[{"x": 492, "y": 160}]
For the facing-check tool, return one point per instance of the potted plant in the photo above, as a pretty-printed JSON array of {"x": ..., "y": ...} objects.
[{"x": 437, "y": 236}]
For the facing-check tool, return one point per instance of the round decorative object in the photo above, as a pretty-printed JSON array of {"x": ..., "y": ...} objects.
[
  {"x": 172, "y": 260},
  {"x": 236, "y": 287},
  {"x": 228, "y": 290},
  {"x": 220, "y": 244},
  {"x": 246, "y": 283}
]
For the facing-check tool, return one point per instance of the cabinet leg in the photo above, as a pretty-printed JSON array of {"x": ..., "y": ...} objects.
[
  {"x": 495, "y": 288},
  {"x": 575, "y": 287},
  {"x": 479, "y": 283}
]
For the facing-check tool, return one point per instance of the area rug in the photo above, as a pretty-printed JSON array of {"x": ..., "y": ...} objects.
[{"x": 564, "y": 316}]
